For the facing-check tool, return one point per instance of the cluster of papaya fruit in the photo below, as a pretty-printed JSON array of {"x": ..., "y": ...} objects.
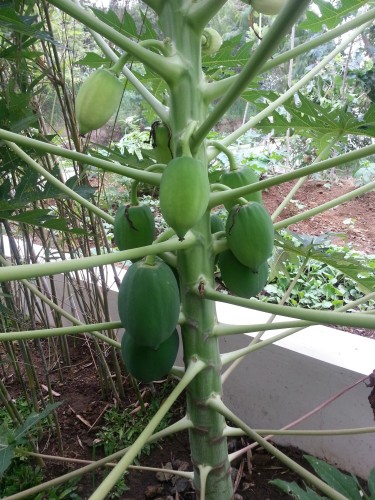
[
  {"x": 250, "y": 235},
  {"x": 149, "y": 308},
  {"x": 148, "y": 300}
]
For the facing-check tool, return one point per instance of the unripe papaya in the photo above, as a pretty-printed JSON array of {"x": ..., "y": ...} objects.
[
  {"x": 216, "y": 224},
  {"x": 134, "y": 226},
  {"x": 268, "y": 7},
  {"x": 211, "y": 41},
  {"x": 145, "y": 363},
  {"x": 184, "y": 193},
  {"x": 240, "y": 279},
  {"x": 98, "y": 98},
  {"x": 239, "y": 178},
  {"x": 149, "y": 302},
  {"x": 250, "y": 234}
]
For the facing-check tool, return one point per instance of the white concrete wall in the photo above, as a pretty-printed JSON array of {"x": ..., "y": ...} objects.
[{"x": 278, "y": 384}]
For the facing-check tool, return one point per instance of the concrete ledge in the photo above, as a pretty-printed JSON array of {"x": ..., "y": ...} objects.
[{"x": 279, "y": 383}]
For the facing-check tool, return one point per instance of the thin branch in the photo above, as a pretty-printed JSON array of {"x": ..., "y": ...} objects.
[
  {"x": 108, "y": 166},
  {"x": 217, "y": 89},
  {"x": 60, "y": 185},
  {"x": 291, "y": 91},
  {"x": 64, "y": 330},
  {"x": 326, "y": 206},
  {"x": 264, "y": 51},
  {"x": 203, "y": 11},
  {"x": 157, "y": 106},
  {"x": 221, "y": 197},
  {"x": 323, "y": 317},
  {"x": 221, "y": 329},
  {"x": 27, "y": 271},
  {"x": 169, "y": 68},
  {"x": 109, "y": 482},
  {"x": 216, "y": 404}
]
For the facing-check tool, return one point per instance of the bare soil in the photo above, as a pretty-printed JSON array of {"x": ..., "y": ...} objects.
[
  {"x": 81, "y": 416},
  {"x": 355, "y": 217}
]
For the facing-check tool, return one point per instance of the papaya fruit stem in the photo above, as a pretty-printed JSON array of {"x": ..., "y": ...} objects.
[
  {"x": 133, "y": 193},
  {"x": 185, "y": 139},
  {"x": 150, "y": 260},
  {"x": 223, "y": 149}
]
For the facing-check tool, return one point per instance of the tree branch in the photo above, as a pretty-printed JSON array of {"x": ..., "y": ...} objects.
[
  {"x": 169, "y": 68},
  {"x": 203, "y": 11},
  {"x": 280, "y": 27}
]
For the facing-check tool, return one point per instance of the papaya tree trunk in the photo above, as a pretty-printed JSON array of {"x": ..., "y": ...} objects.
[{"x": 209, "y": 451}]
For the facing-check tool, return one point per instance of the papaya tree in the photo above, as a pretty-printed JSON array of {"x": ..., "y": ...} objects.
[{"x": 169, "y": 291}]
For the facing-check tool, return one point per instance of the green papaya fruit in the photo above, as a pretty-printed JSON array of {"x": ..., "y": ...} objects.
[
  {"x": 239, "y": 178},
  {"x": 216, "y": 224},
  {"x": 240, "y": 279},
  {"x": 149, "y": 302},
  {"x": 134, "y": 226},
  {"x": 184, "y": 193},
  {"x": 211, "y": 41},
  {"x": 145, "y": 363},
  {"x": 98, "y": 98},
  {"x": 250, "y": 234}
]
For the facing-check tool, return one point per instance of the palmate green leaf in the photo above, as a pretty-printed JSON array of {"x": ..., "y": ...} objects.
[
  {"x": 93, "y": 60},
  {"x": 331, "y": 15},
  {"x": 124, "y": 158},
  {"x": 229, "y": 55},
  {"x": 312, "y": 120},
  {"x": 343, "y": 483},
  {"x": 359, "y": 268},
  {"x": 296, "y": 491}
]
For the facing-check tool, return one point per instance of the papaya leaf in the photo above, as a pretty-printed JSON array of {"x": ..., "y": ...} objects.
[
  {"x": 307, "y": 118},
  {"x": 228, "y": 56},
  {"x": 148, "y": 31},
  {"x": 296, "y": 491},
  {"x": 32, "y": 420},
  {"x": 343, "y": 483},
  {"x": 93, "y": 60},
  {"x": 359, "y": 268},
  {"x": 330, "y": 15},
  {"x": 122, "y": 157}
]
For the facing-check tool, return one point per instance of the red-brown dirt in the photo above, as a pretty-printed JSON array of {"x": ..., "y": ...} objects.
[{"x": 355, "y": 217}]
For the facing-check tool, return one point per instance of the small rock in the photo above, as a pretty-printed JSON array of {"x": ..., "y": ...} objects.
[
  {"x": 237, "y": 496},
  {"x": 154, "y": 490}
]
